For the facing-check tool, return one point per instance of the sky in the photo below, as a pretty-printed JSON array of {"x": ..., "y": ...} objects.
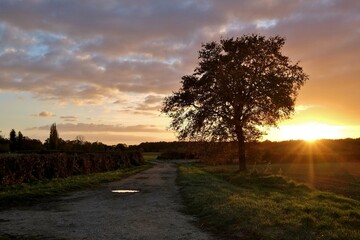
[{"x": 101, "y": 69}]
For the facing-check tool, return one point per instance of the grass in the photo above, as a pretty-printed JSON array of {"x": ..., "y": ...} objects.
[
  {"x": 28, "y": 193},
  {"x": 149, "y": 156},
  {"x": 244, "y": 206},
  {"x": 338, "y": 177}
]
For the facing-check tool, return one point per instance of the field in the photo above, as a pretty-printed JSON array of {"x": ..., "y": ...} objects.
[
  {"x": 341, "y": 178},
  {"x": 149, "y": 156},
  {"x": 264, "y": 206}
]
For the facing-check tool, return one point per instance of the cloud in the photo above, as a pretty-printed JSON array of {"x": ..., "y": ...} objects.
[
  {"x": 300, "y": 108},
  {"x": 153, "y": 99},
  {"x": 145, "y": 107},
  {"x": 150, "y": 106},
  {"x": 44, "y": 114},
  {"x": 68, "y": 59},
  {"x": 88, "y": 53},
  {"x": 86, "y": 127},
  {"x": 139, "y": 112},
  {"x": 69, "y": 118}
]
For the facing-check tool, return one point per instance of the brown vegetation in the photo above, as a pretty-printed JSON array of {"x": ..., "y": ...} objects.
[{"x": 30, "y": 167}]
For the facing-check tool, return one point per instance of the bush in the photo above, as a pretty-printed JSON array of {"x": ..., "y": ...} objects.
[
  {"x": 31, "y": 167},
  {"x": 4, "y": 145}
]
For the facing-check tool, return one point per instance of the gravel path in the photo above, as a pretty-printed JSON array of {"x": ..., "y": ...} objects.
[{"x": 152, "y": 213}]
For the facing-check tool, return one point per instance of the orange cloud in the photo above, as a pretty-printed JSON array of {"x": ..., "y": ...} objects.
[{"x": 44, "y": 114}]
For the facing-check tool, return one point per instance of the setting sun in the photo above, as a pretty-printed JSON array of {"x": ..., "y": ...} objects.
[{"x": 310, "y": 132}]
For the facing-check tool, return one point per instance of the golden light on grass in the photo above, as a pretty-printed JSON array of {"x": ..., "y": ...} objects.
[
  {"x": 310, "y": 151},
  {"x": 310, "y": 132}
]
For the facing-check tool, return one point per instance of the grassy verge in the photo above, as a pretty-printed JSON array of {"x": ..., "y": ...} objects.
[
  {"x": 23, "y": 194},
  {"x": 337, "y": 177},
  {"x": 149, "y": 156},
  {"x": 242, "y": 206}
]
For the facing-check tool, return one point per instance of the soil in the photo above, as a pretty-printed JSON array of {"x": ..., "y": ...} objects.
[{"x": 151, "y": 213}]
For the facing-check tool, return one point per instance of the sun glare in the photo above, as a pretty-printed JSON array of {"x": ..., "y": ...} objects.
[{"x": 310, "y": 132}]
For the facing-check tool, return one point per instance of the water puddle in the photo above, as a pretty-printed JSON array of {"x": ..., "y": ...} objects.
[{"x": 125, "y": 191}]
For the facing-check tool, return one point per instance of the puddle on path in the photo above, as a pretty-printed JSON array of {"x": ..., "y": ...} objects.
[{"x": 125, "y": 191}]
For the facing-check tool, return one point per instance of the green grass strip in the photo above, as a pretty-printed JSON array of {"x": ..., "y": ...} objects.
[
  {"x": 28, "y": 193},
  {"x": 265, "y": 207},
  {"x": 150, "y": 156}
]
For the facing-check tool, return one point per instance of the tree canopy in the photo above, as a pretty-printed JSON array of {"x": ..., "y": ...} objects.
[
  {"x": 54, "y": 137},
  {"x": 240, "y": 86},
  {"x": 12, "y": 140}
]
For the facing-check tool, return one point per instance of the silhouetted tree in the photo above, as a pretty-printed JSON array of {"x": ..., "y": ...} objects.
[
  {"x": 12, "y": 140},
  {"x": 29, "y": 145},
  {"x": 53, "y": 138},
  {"x": 4, "y": 144},
  {"x": 240, "y": 86},
  {"x": 20, "y": 140},
  {"x": 120, "y": 146},
  {"x": 80, "y": 139}
]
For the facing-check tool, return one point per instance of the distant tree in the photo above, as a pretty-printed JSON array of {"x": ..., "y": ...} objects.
[
  {"x": 240, "y": 86},
  {"x": 13, "y": 144},
  {"x": 31, "y": 145},
  {"x": 4, "y": 144},
  {"x": 53, "y": 138},
  {"x": 120, "y": 146},
  {"x": 80, "y": 139},
  {"x": 20, "y": 141}
]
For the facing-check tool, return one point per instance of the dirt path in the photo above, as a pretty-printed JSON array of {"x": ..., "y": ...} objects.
[{"x": 152, "y": 213}]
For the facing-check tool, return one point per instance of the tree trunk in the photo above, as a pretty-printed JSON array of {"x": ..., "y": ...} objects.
[{"x": 241, "y": 151}]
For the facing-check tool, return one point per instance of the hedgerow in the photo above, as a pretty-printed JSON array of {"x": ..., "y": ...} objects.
[{"x": 25, "y": 168}]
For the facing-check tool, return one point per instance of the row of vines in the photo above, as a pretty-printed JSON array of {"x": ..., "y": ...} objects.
[{"x": 26, "y": 168}]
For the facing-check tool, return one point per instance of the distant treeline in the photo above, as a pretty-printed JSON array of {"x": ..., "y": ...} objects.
[
  {"x": 302, "y": 151},
  {"x": 162, "y": 146},
  {"x": 260, "y": 152},
  {"x": 18, "y": 143},
  {"x": 214, "y": 152}
]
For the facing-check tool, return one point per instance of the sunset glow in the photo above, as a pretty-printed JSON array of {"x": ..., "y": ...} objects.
[
  {"x": 310, "y": 132},
  {"x": 103, "y": 70}
]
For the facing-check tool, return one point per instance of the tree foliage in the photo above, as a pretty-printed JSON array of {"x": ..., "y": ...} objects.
[
  {"x": 4, "y": 144},
  {"x": 54, "y": 137},
  {"x": 12, "y": 140},
  {"x": 20, "y": 141},
  {"x": 240, "y": 86}
]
